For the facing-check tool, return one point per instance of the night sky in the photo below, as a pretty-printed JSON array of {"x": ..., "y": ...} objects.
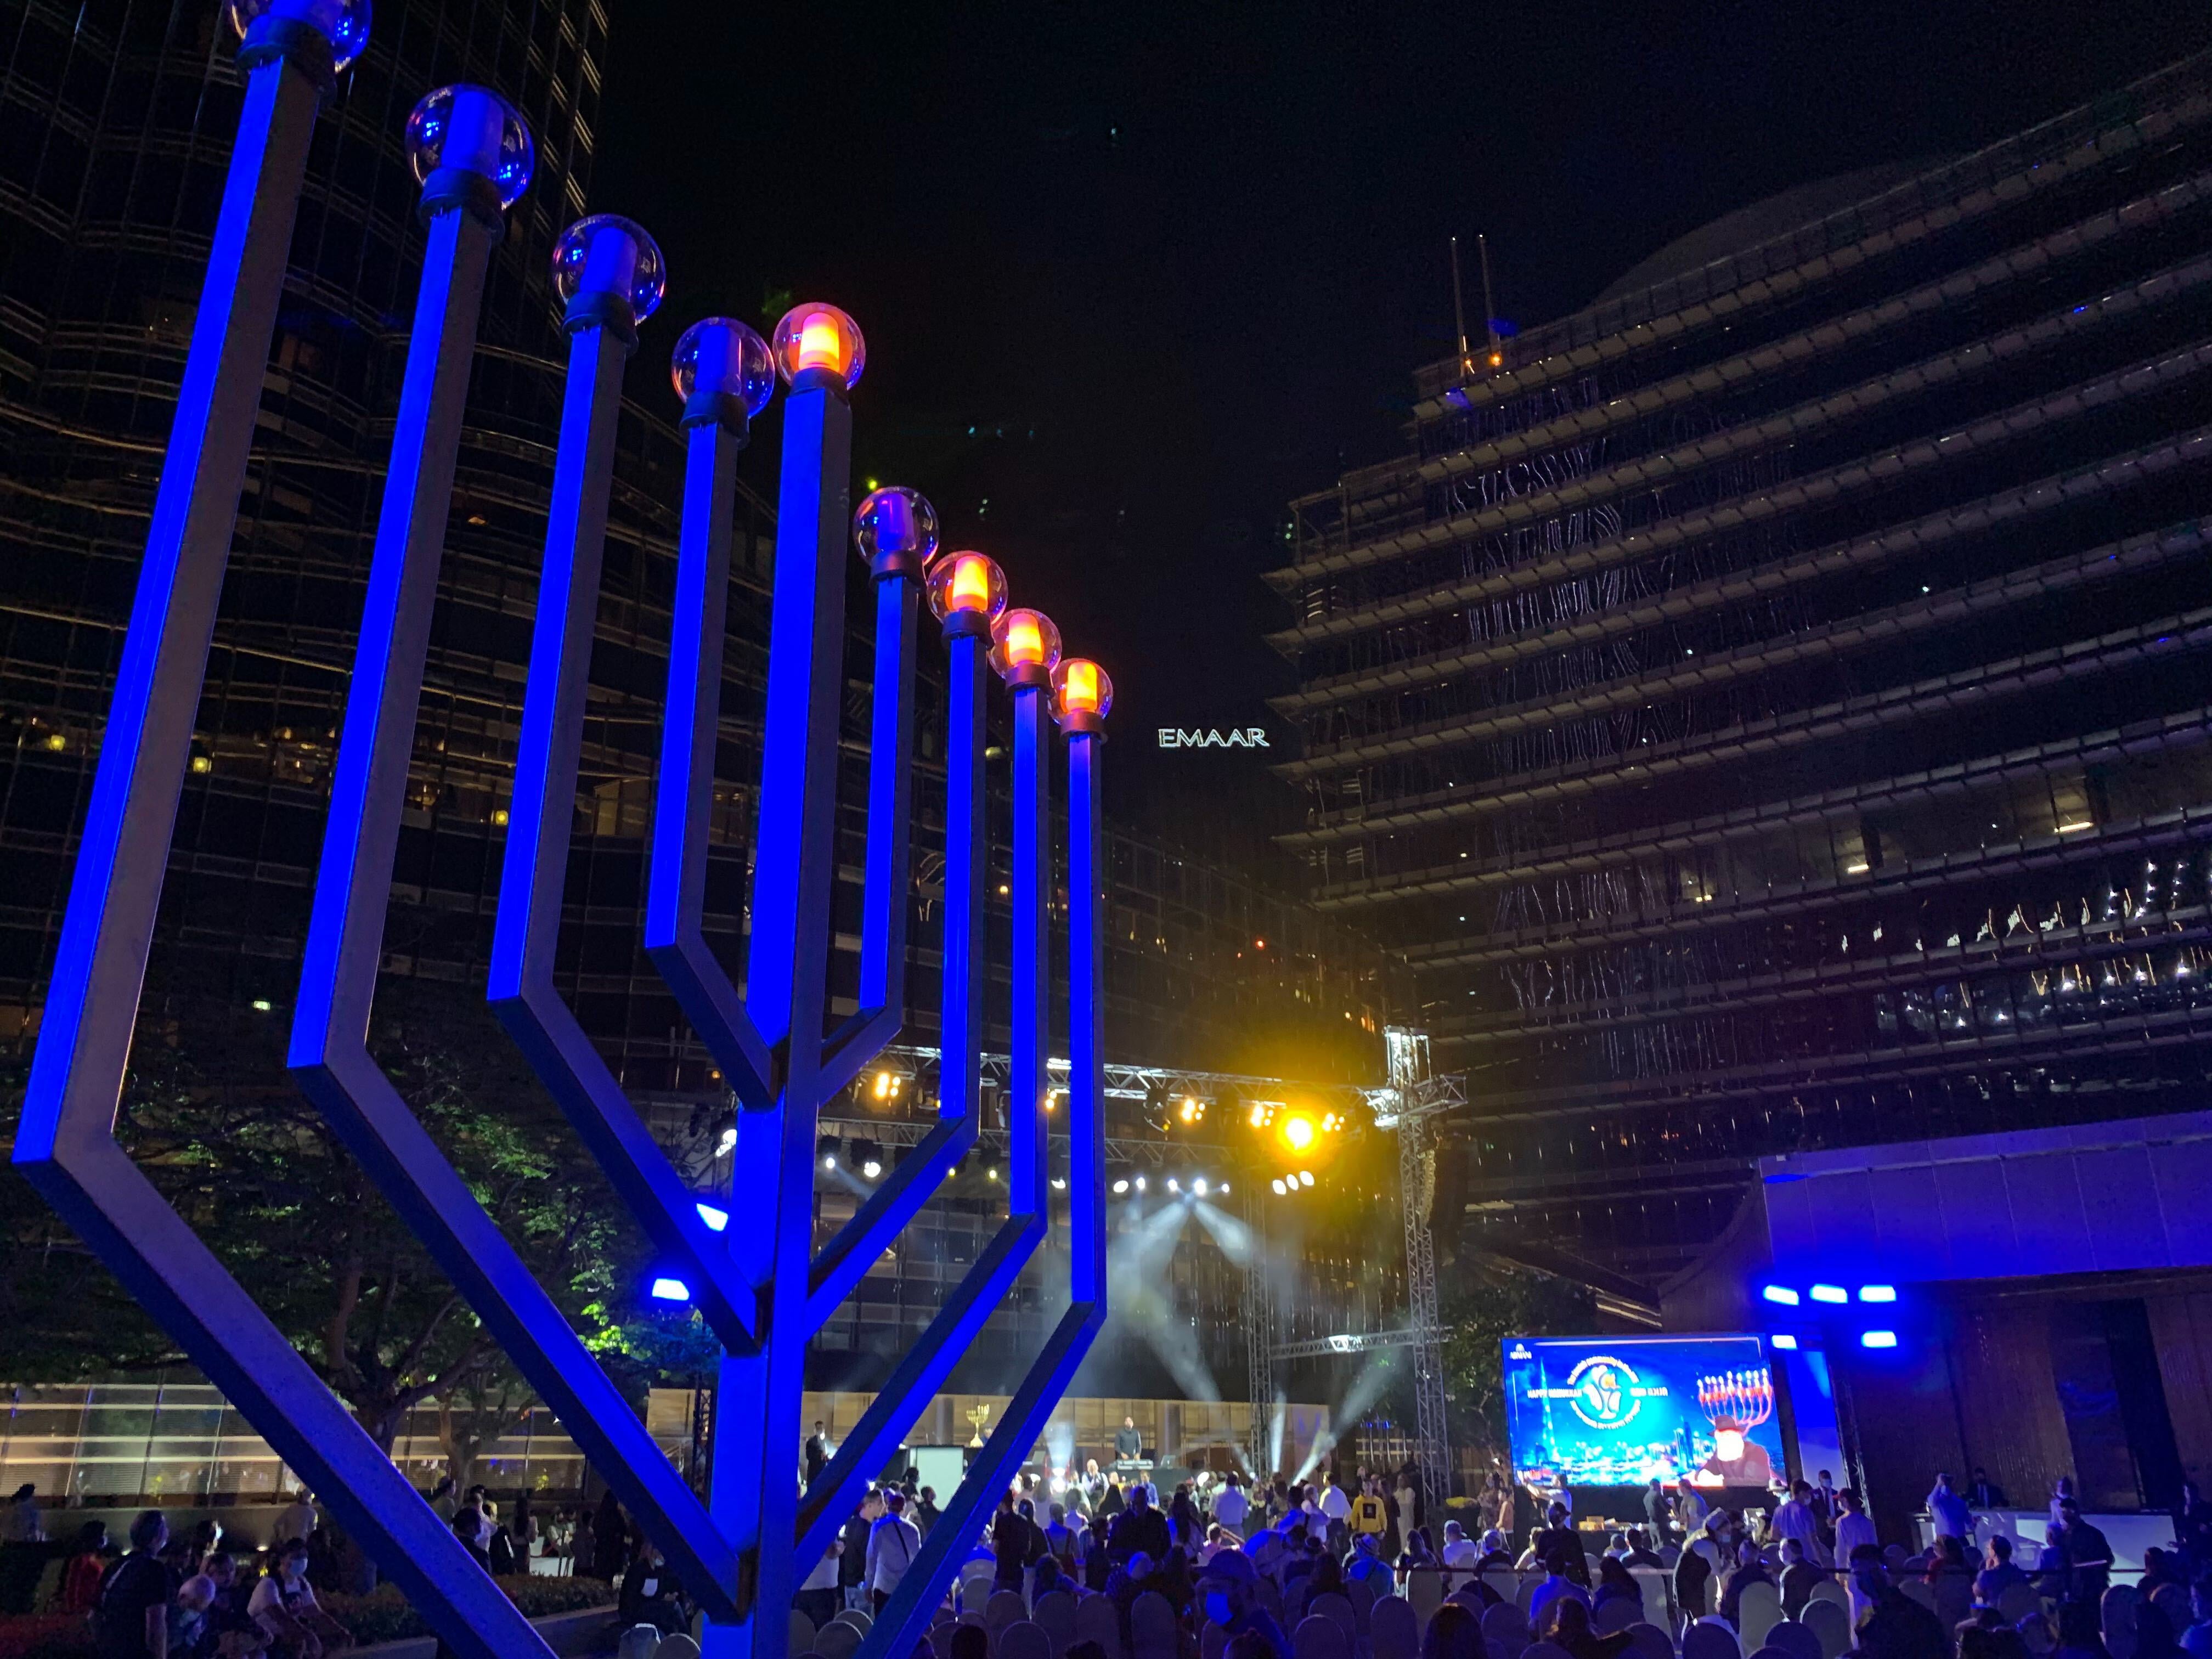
[{"x": 1132, "y": 278}]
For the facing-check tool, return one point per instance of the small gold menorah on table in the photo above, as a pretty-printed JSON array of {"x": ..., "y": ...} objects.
[{"x": 979, "y": 1415}]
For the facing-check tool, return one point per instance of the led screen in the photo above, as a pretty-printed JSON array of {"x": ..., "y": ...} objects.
[{"x": 1616, "y": 1411}]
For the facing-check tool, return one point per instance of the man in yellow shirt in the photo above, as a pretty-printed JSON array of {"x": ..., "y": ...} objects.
[{"x": 1370, "y": 1516}]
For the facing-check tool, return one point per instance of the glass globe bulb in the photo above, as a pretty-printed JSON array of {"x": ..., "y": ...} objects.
[
  {"x": 730, "y": 357},
  {"x": 819, "y": 336},
  {"x": 508, "y": 158},
  {"x": 1024, "y": 639},
  {"x": 571, "y": 257},
  {"x": 343, "y": 23},
  {"x": 1080, "y": 686},
  {"x": 897, "y": 520},
  {"x": 967, "y": 581}
]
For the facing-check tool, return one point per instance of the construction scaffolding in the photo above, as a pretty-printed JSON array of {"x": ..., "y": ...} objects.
[{"x": 1411, "y": 1105}]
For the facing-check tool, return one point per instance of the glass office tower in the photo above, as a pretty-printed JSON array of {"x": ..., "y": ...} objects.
[{"x": 1769, "y": 706}]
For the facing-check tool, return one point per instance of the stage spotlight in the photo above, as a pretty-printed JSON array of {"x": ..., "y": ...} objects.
[
  {"x": 1877, "y": 1338},
  {"x": 1156, "y": 1105},
  {"x": 825, "y": 1148},
  {"x": 1060, "y": 1183},
  {"x": 1784, "y": 1342},
  {"x": 1172, "y": 1186},
  {"x": 1141, "y": 1184},
  {"x": 1259, "y": 1114},
  {"x": 1298, "y": 1132},
  {"x": 715, "y": 1219},
  {"x": 728, "y": 1143},
  {"x": 1193, "y": 1109},
  {"x": 671, "y": 1289},
  {"x": 1280, "y": 1189},
  {"x": 869, "y": 1155},
  {"x": 1782, "y": 1293},
  {"x": 1224, "y": 1189},
  {"x": 1305, "y": 1177},
  {"x": 1120, "y": 1187},
  {"x": 1198, "y": 1187},
  {"x": 1877, "y": 1292},
  {"x": 1830, "y": 1293},
  {"x": 887, "y": 1086}
]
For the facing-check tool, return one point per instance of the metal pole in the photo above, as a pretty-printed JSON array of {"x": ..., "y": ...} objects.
[
  {"x": 909, "y": 1611},
  {"x": 756, "y": 1425},
  {"x": 65, "y": 1145}
]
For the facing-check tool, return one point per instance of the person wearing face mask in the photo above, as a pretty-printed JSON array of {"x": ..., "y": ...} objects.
[
  {"x": 1228, "y": 1589},
  {"x": 283, "y": 1604}
]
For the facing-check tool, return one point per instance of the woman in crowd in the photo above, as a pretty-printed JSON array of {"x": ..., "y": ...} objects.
[{"x": 284, "y": 1605}]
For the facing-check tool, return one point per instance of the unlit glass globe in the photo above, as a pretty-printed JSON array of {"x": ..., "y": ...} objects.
[
  {"x": 572, "y": 254},
  {"x": 431, "y": 125},
  {"x": 1080, "y": 686},
  {"x": 967, "y": 581},
  {"x": 1022, "y": 638},
  {"x": 819, "y": 336},
  {"x": 730, "y": 355},
  {"x": 343, "y": 23},
  {"x": 898, "y": 521}
]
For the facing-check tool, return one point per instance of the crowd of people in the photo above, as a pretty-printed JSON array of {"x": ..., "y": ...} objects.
[
  {"x": 1253, "y": 1559},
  {"x": 1806, "y": 1576}
]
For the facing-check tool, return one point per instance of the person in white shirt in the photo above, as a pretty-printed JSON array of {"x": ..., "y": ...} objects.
[
  {"x": 1795, "y": 1519},
  {"x": 1853, "y": 1530},
  {"x": 818, "y": 1591},
  {"x": 1231, "y": 1506},
  {"x": 893, "y": 1542},
  {"x": 1333, "y": 1502},
  {"x": 297, "y": 1520},
  {"x": 1459, "y": 1550}
]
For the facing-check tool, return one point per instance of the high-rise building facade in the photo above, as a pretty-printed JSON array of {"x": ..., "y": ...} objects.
[
  {"x": 116, "y": 118},
  {"x": 1770, "y": 707}
]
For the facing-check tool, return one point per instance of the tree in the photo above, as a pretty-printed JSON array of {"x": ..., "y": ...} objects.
[
  {"x": 210, "y": 1114},
  {"x": 1478, "y": 1315}
]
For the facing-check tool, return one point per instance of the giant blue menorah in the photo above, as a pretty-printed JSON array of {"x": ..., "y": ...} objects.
[{"x": 761, "y": 1285}]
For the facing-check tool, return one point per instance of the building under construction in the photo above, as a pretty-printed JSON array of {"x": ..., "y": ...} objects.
[{"x": 1770, "y": 706}]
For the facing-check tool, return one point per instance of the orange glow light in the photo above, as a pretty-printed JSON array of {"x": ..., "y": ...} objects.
[
  {"x": 1298, "y": 1133},
  {"x": 971, "y": 586},
  {"x": 1024, "y": 643},
  {"x": 822, "y": 344},
  {"x": 1081, "y": 689}
]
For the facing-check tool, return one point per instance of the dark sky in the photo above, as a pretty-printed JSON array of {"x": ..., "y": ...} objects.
[{"x": 1133, "y": 276}]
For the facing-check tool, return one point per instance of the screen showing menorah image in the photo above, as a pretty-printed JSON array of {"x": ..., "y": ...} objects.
[{"x": 1619, "y": 1411}]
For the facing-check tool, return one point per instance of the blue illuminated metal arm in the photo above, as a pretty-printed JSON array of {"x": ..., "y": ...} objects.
[
  {"x": 535, "y": 875},
  {"x": 925, "y": 1366},
  {"x": 676, "y": 891},
  {"x": 907, "y": 1613},
  {"x": 65, "y": 1143},
  {"x": 759, "y": 1399},
  {"x": 845, "y": 1260},
  {"x": 884, "y": 900},
  {"x": 345, "y": 936}
]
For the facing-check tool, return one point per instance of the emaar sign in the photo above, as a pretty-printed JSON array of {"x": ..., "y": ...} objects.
[{"x": 1247, "y": 737}]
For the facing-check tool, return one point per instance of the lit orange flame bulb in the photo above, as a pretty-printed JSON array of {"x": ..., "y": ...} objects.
[
  {"x": 819, "y": 336},
  {"x": 1083, "y": 693},
  {"x": 971, "y": 583},
  {"x": 967, "y": 585},
  {"x": 821, "y": 343},
  {"x": 1025, "y": 647}
]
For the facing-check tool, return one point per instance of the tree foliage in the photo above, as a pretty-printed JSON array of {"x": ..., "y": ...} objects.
[
  {"x": 210, "y": 1115},
  {"x": 1477, "y": 1314}
]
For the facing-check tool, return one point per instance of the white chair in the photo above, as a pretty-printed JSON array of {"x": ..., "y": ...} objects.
[{"x": 1758, "y": 1611}]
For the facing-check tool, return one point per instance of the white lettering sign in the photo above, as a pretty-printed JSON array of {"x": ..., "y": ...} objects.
[{"x": 1249, "y": 736}]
